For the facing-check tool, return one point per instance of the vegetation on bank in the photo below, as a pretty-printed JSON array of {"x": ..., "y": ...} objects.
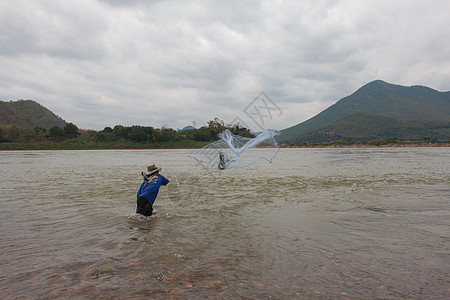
[
  {"x": 143, "y": 137},
  {"x": 119, "y": 137},
  {"x": 375, "y": 143},
  {"x": 83, "y": 143}
]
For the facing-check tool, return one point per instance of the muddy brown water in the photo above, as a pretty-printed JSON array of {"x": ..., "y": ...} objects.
[{"x": 315, "y": 223}]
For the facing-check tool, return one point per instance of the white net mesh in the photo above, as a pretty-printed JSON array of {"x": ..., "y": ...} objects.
[{"x": 234, "y": 151}]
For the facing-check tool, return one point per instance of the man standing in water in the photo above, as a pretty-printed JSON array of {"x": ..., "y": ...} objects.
[{"x": 149, "y": 189}]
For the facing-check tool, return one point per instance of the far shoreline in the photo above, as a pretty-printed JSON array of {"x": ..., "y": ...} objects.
[
  {"x": 283, "y": 146},
  {"x": 392, "y": 145}
]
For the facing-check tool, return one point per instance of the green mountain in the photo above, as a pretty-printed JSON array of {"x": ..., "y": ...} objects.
[
  {"x": 364, "y": 127},
  {"x": 378, "y": 110},
  {"x": 28, "y": 114}
]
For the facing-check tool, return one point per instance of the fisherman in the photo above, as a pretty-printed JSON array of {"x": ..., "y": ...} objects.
[{"x": 149, "y": 189}]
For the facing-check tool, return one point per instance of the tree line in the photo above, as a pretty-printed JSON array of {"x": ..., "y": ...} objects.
[
  {"x": 11, "y": 133},
  {"x": 120, "y": 134}
]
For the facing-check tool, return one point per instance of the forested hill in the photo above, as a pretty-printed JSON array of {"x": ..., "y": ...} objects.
[
  {"x": 28, "y": 114},
  {"x": 420, "y": 107}
]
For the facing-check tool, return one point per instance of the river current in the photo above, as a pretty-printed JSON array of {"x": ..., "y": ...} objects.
[{"x": 314, "y": 223}]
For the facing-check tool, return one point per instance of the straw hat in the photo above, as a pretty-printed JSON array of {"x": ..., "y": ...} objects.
[{"x": 152, "y": 169}]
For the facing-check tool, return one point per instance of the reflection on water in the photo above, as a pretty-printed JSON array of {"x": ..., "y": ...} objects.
[{"x": 357, "y": 223}]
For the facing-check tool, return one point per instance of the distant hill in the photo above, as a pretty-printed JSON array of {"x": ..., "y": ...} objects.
[
  {"x": 378, "y": 110},
  {"x": 189, "y": 127},
  {"x": 27, "y": 114},
  {"x": 364, "y": 127}
]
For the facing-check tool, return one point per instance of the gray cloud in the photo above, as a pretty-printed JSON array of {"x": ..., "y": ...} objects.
[{"x": 102, "y": 63}]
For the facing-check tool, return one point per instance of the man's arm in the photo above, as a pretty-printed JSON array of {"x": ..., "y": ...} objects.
[{"x": 165, "y": 181}]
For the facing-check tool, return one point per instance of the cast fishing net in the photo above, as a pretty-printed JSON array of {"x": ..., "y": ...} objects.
[{"x": 234, "y": 151}]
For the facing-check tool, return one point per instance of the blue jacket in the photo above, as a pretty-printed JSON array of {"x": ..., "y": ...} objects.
[{"x": 149, "y": 190}]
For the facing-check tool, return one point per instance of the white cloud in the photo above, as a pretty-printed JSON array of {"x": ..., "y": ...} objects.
[{"x": 102, "y": 63}]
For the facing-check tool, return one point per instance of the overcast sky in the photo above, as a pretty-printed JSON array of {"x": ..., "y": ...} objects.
[{"x": 154, "y": 63}]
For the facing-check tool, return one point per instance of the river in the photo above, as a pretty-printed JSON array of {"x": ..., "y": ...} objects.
[{"x": 314, "y": 223}]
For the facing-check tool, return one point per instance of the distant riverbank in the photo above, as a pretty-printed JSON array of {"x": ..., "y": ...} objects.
[
  {"x": 76, "y": 144},
  {"x": 369, "y": 145},
  {"x": 88, "y": 145}
]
